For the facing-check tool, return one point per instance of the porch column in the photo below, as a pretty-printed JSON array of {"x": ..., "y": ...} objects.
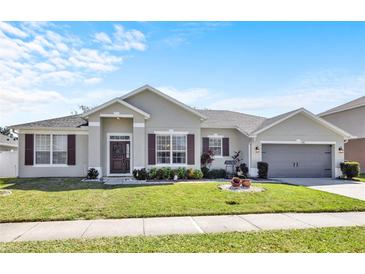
[
  {"x": 94, "y": 145},
  {"x": 139, "y": 143}
]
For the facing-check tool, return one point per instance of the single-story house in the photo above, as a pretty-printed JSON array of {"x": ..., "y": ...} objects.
[
  {"x": 351, "y": 117},
  {"x": 147, "y": 128}
]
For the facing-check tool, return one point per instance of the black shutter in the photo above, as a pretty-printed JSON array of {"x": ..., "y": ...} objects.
[
  {"x": 71, "y": 150},
  {"x": 29, "y": 149},
  {"x": 225, "y": 146},
  {"x": 205, "y": 144},
  {"x": 151, "y": 149},
  {"x": 191, "y": 149}
]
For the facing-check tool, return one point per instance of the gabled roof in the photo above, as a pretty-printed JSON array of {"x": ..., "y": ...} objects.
[
  {"x": 230, "y": 119},
  {"x": 269, "y": 123},
  {"x": 71, "y": 121},
  {"x": 359, "y": 102},
  {"x": 167, "y": 97},
  {"x": 116, "y": 100}
]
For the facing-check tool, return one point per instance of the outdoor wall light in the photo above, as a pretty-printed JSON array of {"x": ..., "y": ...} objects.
[
  {"x": 340, "y": 149},
  {"x": 257, "y": 149}
]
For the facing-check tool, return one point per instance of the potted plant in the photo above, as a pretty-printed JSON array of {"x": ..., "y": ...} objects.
[
  {"x": 236, "y": 182},
  {"x": 246, "y": 182}
]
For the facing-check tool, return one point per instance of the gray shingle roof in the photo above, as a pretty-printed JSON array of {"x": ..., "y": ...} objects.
[
  {"x": 72, "y": 121},
  {"x": 231, "y": 119},
  {"x": 359, "y": 102}
]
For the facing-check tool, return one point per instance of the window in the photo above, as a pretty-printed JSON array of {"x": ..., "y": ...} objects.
[
  {"x": 43, "y": 149},
  {"x": 59, "y": 151},
  {"x": 171, "y": 149},
  {"x": 215, "y": 145},
  {"x": 50, "y": 149}
]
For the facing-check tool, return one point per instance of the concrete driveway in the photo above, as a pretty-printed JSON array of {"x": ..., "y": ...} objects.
[{"x": 347, "y": 188}]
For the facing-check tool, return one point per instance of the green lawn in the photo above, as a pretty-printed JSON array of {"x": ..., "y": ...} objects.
[
  {"x": 344, "y": 239},
  {"x": 361, "y": 178},
  {"x": 69, "y": 199}
]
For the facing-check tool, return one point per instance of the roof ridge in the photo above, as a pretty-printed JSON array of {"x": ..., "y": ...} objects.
[
  {"x": 344, "y": 106},
  {"x": 233, "y": 111}
]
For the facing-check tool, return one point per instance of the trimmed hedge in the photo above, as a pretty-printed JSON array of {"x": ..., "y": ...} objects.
[
  {"x": 350, "y": 169},
  {"x": 217, "y": 174},
  {"x": 263, "y": 169},
  {"x": 166, "y": 173}
]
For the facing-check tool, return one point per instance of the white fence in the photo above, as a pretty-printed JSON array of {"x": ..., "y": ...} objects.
[{"x": 8, "y": 164}]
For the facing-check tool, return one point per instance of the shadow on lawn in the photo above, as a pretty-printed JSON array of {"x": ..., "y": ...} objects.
[{"x": 58, "y": 184}]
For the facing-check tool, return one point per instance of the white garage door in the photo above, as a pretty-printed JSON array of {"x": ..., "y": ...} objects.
[{"x": 308, "y": 161}]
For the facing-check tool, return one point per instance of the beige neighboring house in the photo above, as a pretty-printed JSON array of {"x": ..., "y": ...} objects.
[
  {"x": 351, "y": 117},
  {"x": 147, "y": 128},
  {"x": 8, "y": 143}
]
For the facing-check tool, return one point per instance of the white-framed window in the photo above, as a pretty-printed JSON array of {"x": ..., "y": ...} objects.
[
  {"x": 171, "y": 149},
  {"x": 50, "y": 149},
  {"x": 215, "y": 145}
]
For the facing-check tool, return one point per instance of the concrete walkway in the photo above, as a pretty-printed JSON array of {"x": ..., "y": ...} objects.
[
  {"x": 352, "y": 189},
  {"x": 58, "y": 230}
]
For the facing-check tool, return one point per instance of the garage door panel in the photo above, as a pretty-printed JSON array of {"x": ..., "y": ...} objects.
[{"x": 297, "y": 160}]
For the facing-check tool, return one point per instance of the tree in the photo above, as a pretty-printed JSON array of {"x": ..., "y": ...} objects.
[
  {"x": 5, "y": 131},
  {"x": 83, "y": 109}
]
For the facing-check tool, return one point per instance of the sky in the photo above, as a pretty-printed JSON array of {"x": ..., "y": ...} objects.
[{"x": 49, "y": 69}]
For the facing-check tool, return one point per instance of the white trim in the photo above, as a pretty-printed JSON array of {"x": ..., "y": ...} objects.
[
  {"x": 120, "y": 101},
  {"x": 282, "y": 142},
  {"x": 138, "y": 124},
  {"x": 116, "y": 115},
  {"x": 54, "y": 131},
  {"x": 130, "y": 153},
  {"x": 319, "y": 142},
  {"x": 310, "y": 115},
  {"x": 156, "y": 91},
  {"x": 94, "y": 124},
  {"x": 215, "y": 135},
  {"x": 138, "y": 167},
  {"x": 171, "y": 131}
]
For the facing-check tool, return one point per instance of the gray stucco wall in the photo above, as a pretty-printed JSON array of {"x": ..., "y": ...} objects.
[
  {"x": 166, "y": 116},
  {"x": 78, "y": 170},
  {"x": 237, "y": 142},
  {"x": 352, "y": 121},
  {"x": 306, "y": 130}
]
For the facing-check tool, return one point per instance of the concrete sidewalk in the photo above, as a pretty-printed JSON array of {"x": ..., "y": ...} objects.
[{"x": 58, "y": 230}]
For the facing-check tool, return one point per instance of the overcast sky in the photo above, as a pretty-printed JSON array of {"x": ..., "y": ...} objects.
[{"x": 48, "y": 69}]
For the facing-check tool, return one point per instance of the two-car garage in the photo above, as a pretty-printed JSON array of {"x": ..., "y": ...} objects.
[{"x": 298, "y": 160}]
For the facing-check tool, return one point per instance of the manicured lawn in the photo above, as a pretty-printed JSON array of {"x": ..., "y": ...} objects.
[
  {"x": 69, "y": 199},
  {"x": 344, "y": 239},
  {"x": 361, "y": 178}
]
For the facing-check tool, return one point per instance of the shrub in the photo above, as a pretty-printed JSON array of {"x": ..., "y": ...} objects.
[
  {"x": 205, "y": 171},
  {"x": 140, "y": 174},
  {"x": 152, "y": 173},
  {"x": 244, "y": 169},
  {"x": 207, "y": 158},
  {"x": 92, "y": 174},
  {"x": 181, "y": 172},
  {"x": 217, "y": 173},
  {"x": 263, "y": 169},
  {"x": 197, "y": 174},
  {"x": 350, "y": 169},
  {"x": 166, "y": 173},
  {"x": 189, "y": 173}
]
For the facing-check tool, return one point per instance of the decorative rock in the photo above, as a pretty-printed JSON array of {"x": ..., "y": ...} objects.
[{"x": 241, "y": 188}]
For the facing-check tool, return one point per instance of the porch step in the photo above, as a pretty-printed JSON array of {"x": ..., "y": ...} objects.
[{"x": 122, "y": 181}]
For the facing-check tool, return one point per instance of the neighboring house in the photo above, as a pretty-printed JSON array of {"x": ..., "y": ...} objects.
[
  {"x": 351, "y": 117},
  {"x": 147, "y": 128},
  {"x": 8, "y": 143}
]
